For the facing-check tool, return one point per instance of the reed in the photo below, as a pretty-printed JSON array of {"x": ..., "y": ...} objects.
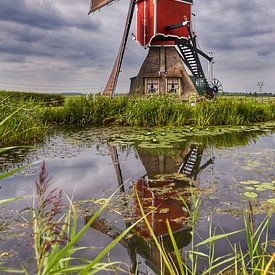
[
  {"x": 158, "y": 111},
  {"x": 40, "y": 98},
  {"x": 56, "y": 236},
  {"x": 24, "y": 122},
  {"x": 249, "y": 258},
  {"x": 20, "y": 122}
]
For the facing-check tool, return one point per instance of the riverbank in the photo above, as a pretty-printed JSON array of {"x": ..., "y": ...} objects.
[{"x": 26, "y": 120}]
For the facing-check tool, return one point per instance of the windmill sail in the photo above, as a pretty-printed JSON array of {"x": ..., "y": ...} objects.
[
  {"x": 98, "y": 4},
  {"x": 111, "y": 84}
]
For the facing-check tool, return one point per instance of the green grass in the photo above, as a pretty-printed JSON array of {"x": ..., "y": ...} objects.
[
  {"x": 158, "y": 111},
  {"x": 41, "y": 98},
  {"x": 255, "y": 259},
  {"x": 20, "y": 122},
  {"x": 31, "y": 118},
  {"x": 56, "y": 237}
]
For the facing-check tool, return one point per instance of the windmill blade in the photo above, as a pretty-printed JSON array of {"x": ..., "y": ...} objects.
[
  {"x": 115, "y": 160},
  {"x": 111, "y": 84},
  {"x": 98, "y": 4}
]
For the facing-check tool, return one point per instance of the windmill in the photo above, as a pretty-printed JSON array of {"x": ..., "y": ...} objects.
[
  {"x": 163, "y": 195},
  {"x": 165, "y": 27}
]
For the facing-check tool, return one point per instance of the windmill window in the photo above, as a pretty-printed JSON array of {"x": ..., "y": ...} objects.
[
  {"x": 152, "y": 85},
  {"x": 173, "y": 85}
]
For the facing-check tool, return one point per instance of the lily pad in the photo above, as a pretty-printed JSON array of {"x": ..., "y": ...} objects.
[
  {"x": 251, "y": 195},
  {"x": 250, "y": 182},
  {"x": 260, "y": 189},
  {"x": 267, "y": 186},
  {"x": 267, "y": 183},
  {"x": 271, "y": 201},
  {"x": 249, "y": 188},
  {"x": 164, "y": 211},
  {"x": 101, "y": 201}
]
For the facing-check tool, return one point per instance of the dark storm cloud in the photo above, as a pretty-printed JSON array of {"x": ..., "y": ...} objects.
[
  {"x": 33, "y": 29},
  {"x": 236, "y": 25},
  {"x": 242, "y": 36},
  {"x": 42, "y": 15},
  {"x": 56, "y": 40}
]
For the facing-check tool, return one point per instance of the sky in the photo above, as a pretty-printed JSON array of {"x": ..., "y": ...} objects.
[{"x": 53, "y": 46}]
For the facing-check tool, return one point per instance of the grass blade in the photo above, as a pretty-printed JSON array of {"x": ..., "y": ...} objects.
[
  {"x": 12, "y": 199},
  {"x": 5, "y": 149},
  {"x": 106, "y": 250},
  {"x": 14, "y": 171},
  {"x": 12, "y": 270},
  {"x": 176, "y": 249},
  {"x": 58, "y": 256},
  {"x": 12, "y": 114},
  {"x": 162, "y": 253},
  {"x": 218, "y": 237},
  {"x": 268, "y": 266}
]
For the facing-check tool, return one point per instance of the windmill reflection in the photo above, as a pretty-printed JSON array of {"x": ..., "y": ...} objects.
[{"x": 160, "y": 193}]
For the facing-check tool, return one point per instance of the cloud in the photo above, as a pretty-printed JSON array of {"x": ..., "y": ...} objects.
[
  {"x": 40, "y": 14},
  {"x": 58, "y": 43},
  {"x": 241, "y": 35}
]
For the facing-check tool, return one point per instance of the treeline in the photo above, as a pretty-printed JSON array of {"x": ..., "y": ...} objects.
[{"x": 249, "y": 94}]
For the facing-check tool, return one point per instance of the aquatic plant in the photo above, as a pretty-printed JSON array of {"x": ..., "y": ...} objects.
[
  {"x": 55, "y": 235},
  {"x": 55, "y": 238}
]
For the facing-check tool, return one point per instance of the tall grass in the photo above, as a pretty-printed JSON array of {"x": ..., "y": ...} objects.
[
  {"x": 158, "y": 111},
  {"x": 40, "y": 98},
  {"x": 56, "y": 236},
  {"x": 20, "y": 122},
  {"x": 30, "y": 119},
  {"x": 249, "y": 258}
]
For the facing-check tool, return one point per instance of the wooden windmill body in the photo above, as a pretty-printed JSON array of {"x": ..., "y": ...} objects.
[{"x": 165, "y": 28}]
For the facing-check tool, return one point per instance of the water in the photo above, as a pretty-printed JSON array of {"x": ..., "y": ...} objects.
[{"x": 90, "y": 165}]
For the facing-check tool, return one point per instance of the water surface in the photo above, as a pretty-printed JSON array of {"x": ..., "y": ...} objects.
[{"x": 159, "y": 165}]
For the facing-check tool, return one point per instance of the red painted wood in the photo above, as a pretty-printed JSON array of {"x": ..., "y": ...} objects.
[
  {"x": 166, "y": 13},
  {"x": 150, "y": 19},
  {"x": 140, "y": 22},
  {"x": 170, "y": 12},
  {"x": 156, "y": 42}
]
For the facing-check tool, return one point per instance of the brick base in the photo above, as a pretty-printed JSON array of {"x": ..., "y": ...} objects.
[{"x": 162, "y": 63}]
